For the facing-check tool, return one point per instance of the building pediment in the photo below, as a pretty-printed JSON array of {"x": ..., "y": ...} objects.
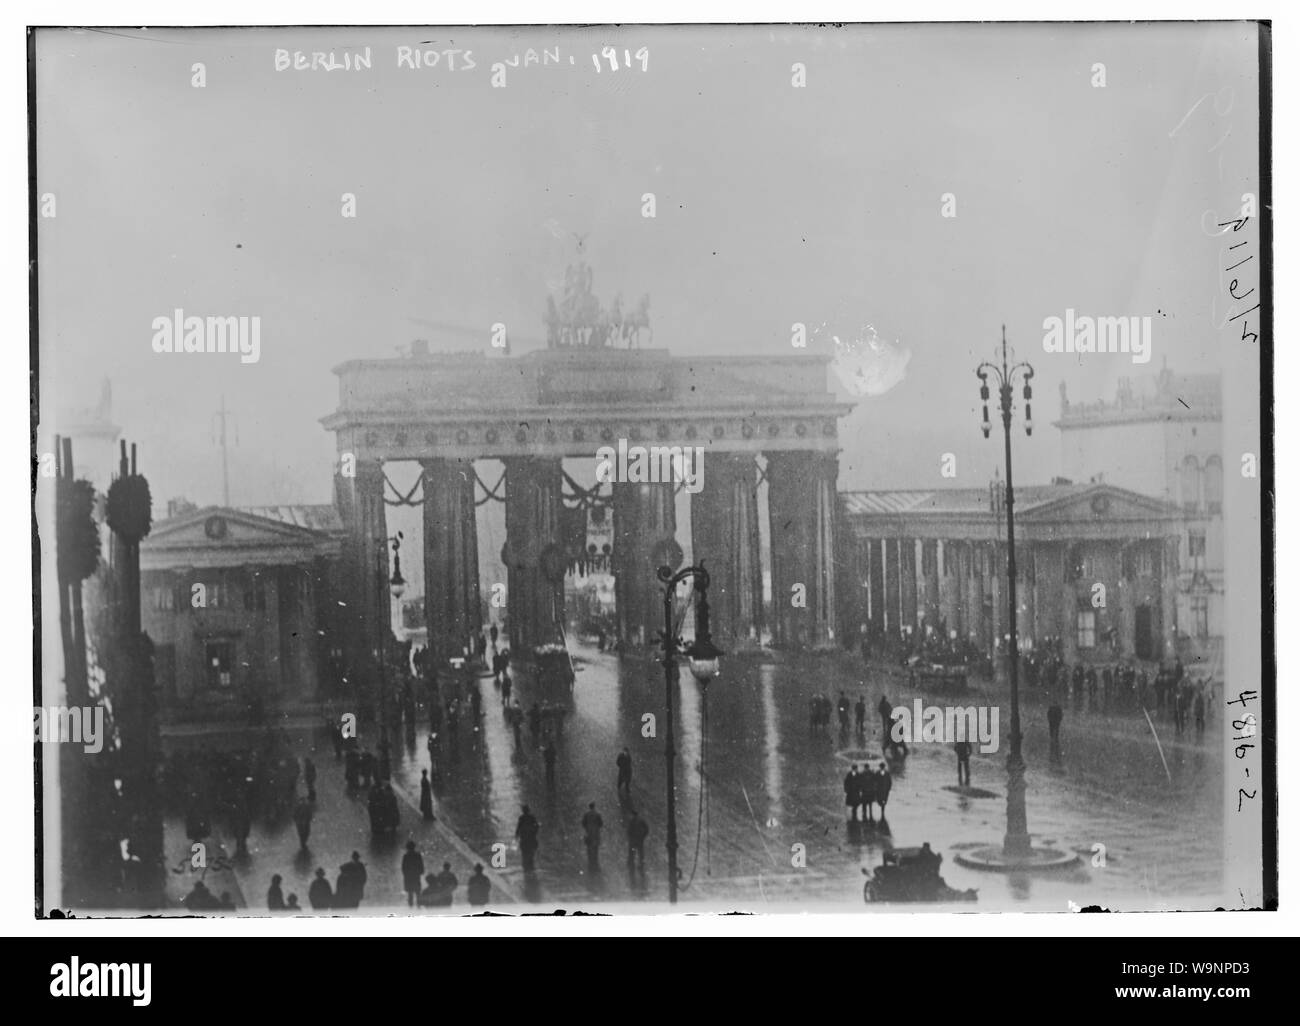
[
  {"x": 1098, "y": 503},
  {"x": 222, "y": 537}
]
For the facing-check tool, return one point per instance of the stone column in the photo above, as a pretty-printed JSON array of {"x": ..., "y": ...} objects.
[
  {"x": 978, "y": 623},
  {"x": 451, "y": 581},
  {"x": 893, "y": 585},
  {"x": 907, "y": 573},
  {"x": 801, "y": 512},
  {"x": 645, "y": 514},
  {"x": 930, "y": 574},
  {"x": 360, "y": 500},
  {"x": 876, "y": 579},
  {"x": 534, "y": 601},
  {"x": 724, "y": 535}
]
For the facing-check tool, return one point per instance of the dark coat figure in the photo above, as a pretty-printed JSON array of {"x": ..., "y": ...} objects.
[
  {"x": 384, "y": 817},
  {"x": 241, "y": 825},
  {"x": 962, "y": 748},
  {"x": 624, "y": 762},
  {"x": 200, "y": 899},
  {"x": 884, "y": 784},
  {"x": 526, "y": 831},
  {"x": 886, "y": 720},
  {"x": 852, "y": 792},
  {"x": 367, "y": 768},
  {"x": 534, "y": 721},
  {"x": 275, "y": 896},
  {"x": 1184, "y": 702},
  {"x": 350, "y": 886},
  {"x": 1054, "y": 714},
  {"x": 548, "y": 754},
  {"x": 476, "y": 703},
  {"x": 309, "y": 778},
  {"x": 479, "y": 887},
  {"x": 426, "y": 797},
  {"x": 446, "y": 884},
  {"x": 336, "y": 737},
  {"x": 843, "y": 708},
  {"x": 591, "y": 826},
  {"x": 860, "y": 716},
  {"x": 412, "y": 871},
  {"x": 302, "y": 815},
  {"x": 637, "y": 831},
  {"x": 319, "y": 894},
  {"x": 429, "y": 896},
  {"x": 506, "y": 683}
]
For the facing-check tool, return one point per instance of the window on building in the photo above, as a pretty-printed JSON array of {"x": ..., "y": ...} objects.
[
  {"x": 255, "y": 594},
  {"x": 1145, "y": 562},
  {"x": 220, "y": 656},
  {"x": 1196, "y": 545},
  {"x": 1086, "y": 629},
  {"x": 1189, "y": 482},
  {"x": 218, "y": 596},
  {"x": 1075, "y": 563},
  {"x": 1214, "y": 486},
  {"x": 1201, "y": 615},
  {"x": 164, "y": 598}
]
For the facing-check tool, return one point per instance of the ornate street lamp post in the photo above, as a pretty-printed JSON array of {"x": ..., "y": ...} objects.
[
  {"x": 1016, "y": 843},
  {"x": 702, "y": 658}
]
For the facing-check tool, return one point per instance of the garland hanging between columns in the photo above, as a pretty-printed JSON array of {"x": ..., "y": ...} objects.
[
  {"x": 409, "y": 498},
  {"x": 490, "y": 493}
]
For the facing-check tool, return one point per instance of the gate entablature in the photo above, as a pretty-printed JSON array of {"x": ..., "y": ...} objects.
[{"x": 569, "y": 402}]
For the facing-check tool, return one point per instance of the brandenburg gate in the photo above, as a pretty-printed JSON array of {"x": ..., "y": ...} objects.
[{"x": 533, "y": 411}]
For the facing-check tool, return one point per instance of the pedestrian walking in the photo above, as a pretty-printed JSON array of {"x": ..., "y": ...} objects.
[
  {"x": 843, "y": 708},
  {"x": 963, "y": 763},
  {"x": 426, "y": 797},
  {"x": 309, "y": 777},
  {"x": 624, "y": 763},
  {"x": 852, "y": 792},
  {"x": 319, "y": 894},
  {"x": 1054, "y": 714},
  {"x": 412, "y": 871},
  {"x": 302, "y": 815},
  {"x": 526, "y": 831},
  {"x": 637, "y": 831},
  {"x": 479, "y": 888},
  {"x": 548, "y": 754},
  {"x": 860, "y": 716},
  {"x": 274, "y": 895},
  {"x": 591, "y": 827}
]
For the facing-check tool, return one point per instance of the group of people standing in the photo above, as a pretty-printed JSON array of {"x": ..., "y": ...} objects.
[{"x": 865, "y": 787}]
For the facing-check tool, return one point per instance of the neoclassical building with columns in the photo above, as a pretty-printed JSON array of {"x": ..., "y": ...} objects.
[{"x": 915, "y": 558}]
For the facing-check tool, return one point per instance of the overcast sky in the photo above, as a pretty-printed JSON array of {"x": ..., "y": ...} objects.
[{"x": 775, "y": 204}]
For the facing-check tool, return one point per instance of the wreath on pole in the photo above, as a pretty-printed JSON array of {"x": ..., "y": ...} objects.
[
  {"x": 130, "y": 507},
  {"x": 77, "y": 537}
]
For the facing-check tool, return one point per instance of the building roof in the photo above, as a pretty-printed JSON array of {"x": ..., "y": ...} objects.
[
  {"x": 315, "y": 517},
  {"x": 949, "y": 501}
]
